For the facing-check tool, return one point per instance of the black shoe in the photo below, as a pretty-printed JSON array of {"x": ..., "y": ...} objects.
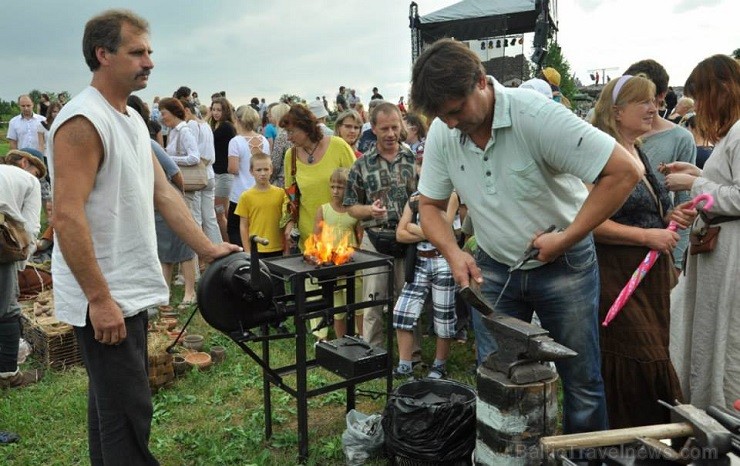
[
  {"x": 403, "y": 375},
  {"x": 437, "y": 372}
]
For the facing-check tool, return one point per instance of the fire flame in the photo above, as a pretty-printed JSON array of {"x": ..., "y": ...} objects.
[{"x": 330, "y": 246}]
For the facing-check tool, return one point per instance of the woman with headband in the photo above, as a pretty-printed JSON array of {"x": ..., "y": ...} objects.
[{"x": 636, "y": 366}]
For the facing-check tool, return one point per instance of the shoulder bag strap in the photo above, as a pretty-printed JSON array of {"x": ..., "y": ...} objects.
[
  {"x": 293, "y": 158},
  {"x": 649, "y": 185},
  {"x": 179, "y": 143}
]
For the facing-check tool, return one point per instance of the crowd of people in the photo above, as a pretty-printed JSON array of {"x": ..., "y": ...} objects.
[{"x": 507, "y": 162}]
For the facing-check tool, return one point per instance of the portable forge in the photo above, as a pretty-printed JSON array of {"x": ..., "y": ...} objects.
[{"x": 237, "y": 296}]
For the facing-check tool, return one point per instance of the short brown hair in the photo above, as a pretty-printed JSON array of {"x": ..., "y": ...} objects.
[
  {"x": 174, "y": 106},
  {"x": 302, "y": 118},
  {"x": 446, "y": 70},
  {"x": 259, "y": 156},
  {"x": 104, "y": 30},
  {"x": 387, "y": 108},
  {"x": 652, "y": 70}
]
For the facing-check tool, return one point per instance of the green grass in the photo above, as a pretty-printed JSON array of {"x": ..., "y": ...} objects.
[
  {"x": 205, "y": 418},
  {"x": 4, "y": 145}
]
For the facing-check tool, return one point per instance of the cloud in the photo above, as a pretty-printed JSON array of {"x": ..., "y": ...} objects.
[
  {"x": 589, "y": 5},
  {"x": 684, "y": 6}
]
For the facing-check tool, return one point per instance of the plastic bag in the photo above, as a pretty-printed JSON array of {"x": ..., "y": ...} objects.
[
  {"x": 431, "y": 420},
  {"x": 24, "y": 349},
  {"x": 363, "y": 437}
]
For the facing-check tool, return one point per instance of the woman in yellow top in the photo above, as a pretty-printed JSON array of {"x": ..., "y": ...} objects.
[{"x": 317, "y": 156}]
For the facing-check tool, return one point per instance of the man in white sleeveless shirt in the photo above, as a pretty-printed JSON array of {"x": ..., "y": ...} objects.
[{"x": 106, "y": 272}]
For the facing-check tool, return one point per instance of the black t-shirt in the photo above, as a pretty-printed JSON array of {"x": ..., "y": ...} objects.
[
  {"x": 376, "y": 96},
  {"x": 341, "y": 102},
  {"x": 221, "y": 137},
  {"x": 43, "y": 108}
]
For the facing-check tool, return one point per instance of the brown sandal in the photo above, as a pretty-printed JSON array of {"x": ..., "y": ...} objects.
[{"x": 22, "y": 379}]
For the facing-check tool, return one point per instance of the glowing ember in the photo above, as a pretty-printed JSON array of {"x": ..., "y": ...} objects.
[{"x": 330, "y": 246}]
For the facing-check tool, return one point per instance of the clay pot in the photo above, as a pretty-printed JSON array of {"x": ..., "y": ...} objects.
[
  {"x": 180, "y": 365},
  {"x": 165, "y": 308},
  {"x": 199, "y": 359},
  {"x": 218, "y": 354},
  {"x": 169, "y": 322},
  {"x": 168, "y": 315},
  {"x": 193, "y": 342},
  {"x": 174, "y": 333}
]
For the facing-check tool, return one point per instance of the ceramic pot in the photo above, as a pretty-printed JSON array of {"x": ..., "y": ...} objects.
[
  {"x": 218, "y": 354},
  {"x": 174, "y": 333},
  {"x": 168, "y": 315},
  {"x": 165, "y": 308},
  {"x": 193, "y": 342},
  {"x": 169, "y": 322},
  {"x": 180, "y": 365},
  {"x": 199, "y": 359}
]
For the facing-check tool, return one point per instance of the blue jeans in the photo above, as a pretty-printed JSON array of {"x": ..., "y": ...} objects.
[{"x": 565, "y": 295}]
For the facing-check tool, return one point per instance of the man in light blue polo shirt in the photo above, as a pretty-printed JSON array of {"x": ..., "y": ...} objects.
[{"x": 519, "y": 160}]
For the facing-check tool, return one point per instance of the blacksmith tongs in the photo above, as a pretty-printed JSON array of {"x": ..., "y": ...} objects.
[{"x": 530, "y": 253}]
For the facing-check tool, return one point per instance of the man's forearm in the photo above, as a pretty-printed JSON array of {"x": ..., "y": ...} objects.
[
  {"x": 606, "y": 197},
  {"x": 359, "y": 211}
]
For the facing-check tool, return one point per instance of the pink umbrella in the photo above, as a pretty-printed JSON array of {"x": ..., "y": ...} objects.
[{"x": 646, "y": 264}]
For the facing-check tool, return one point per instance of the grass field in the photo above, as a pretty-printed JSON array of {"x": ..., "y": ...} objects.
[
  {"x": 205, "y": 418},
  {"x": 4, "y": 146}
]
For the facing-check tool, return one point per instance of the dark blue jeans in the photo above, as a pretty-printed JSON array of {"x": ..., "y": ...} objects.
[
  {"x": 565, "y": 294},
  {"x": 119, "y": 404}
]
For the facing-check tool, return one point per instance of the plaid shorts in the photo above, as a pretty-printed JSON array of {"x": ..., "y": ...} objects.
[{"x": 431, "y": 274}]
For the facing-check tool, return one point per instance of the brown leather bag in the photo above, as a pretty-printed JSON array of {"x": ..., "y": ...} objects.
[
  {"x": 704, "y": 240},
  {"x": 14, "y": 241}
]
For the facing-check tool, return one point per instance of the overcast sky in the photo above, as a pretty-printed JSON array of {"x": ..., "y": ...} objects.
[{"x": 266, "y": 48}]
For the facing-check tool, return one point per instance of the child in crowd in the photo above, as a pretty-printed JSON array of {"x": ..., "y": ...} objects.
[
  {"x": 431, "y": 273},
  {"x": 260, "y": 208},
  {"x": 334, "y": 215}
]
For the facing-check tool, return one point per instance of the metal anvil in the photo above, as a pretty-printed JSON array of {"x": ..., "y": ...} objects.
[{"x": 521, "y": 349}]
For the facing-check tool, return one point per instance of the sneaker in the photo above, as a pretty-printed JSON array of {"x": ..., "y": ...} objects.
[
  {"x": 21, "y": 379},
  {"x": 437, "y": 372},
  {"x": 400, "y": 374},
  {"x": 8, "y": 437}
]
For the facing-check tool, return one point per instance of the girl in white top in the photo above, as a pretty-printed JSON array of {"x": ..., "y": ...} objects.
[
  {"x": 205, "y": 197},
  {"x": 241, "y": 148}
]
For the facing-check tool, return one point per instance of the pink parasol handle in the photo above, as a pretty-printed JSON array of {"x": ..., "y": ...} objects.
[{"x": 647, "y": 263}]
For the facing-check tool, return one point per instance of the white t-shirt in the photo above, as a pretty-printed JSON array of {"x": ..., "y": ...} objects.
[
  {"x": 119, "y": 212},
  {"x": 239, "y": 146}
]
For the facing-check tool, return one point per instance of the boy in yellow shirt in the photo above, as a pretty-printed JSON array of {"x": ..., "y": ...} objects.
[{"x": 260, "y": 208}]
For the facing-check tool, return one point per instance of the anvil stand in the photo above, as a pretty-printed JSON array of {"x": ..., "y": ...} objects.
[{"x": 293, "y": 270}]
